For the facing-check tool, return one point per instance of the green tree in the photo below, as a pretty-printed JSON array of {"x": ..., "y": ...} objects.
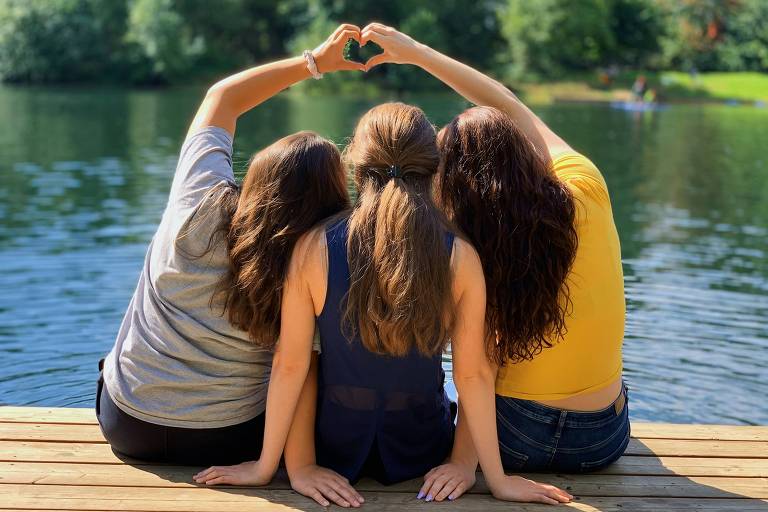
[
  {"x": 164, "y": 48},
  {"x": 744, "y": 45},
  {"x": 638, "y": 27},
  {"x": 549, "y": 36},
  {"x": 60, "y": 40}
]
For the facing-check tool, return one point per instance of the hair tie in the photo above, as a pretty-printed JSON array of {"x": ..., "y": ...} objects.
[{"x": 394, "y": 172}]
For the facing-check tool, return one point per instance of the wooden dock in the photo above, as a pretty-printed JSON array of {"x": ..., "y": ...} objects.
[{"x": 57, "y": 459}]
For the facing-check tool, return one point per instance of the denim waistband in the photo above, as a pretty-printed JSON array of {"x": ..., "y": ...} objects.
[{"x": 548, "y": 414}]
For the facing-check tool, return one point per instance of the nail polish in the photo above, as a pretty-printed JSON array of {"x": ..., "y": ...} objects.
[
  {"x": 429, "y": 497},
  {"x": 420, "y": 495}
]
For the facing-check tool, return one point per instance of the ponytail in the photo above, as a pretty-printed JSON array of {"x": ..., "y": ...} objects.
[{"x": 400, "y": 278}]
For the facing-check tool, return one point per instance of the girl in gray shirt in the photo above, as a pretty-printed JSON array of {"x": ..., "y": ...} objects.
[{"x": 186, "y": 381}]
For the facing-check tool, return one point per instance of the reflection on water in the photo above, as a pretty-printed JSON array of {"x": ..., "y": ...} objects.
[{"x": 84, "y": 176}]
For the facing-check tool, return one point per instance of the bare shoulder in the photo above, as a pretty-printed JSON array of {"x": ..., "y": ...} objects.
[
  {"x": 467, "y": 268},
  {"x": 309, "y": 256}
]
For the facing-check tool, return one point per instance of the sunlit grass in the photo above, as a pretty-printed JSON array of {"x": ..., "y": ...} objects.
[{"x": 671, "y": 86}]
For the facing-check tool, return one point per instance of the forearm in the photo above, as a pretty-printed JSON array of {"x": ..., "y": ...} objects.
[
  {"x": 463, "y": 451},
  {"x": 285, "y": 385},
  {"x": 477, "y": 394},
  {"x": 245, "y": 90},
  {"x": 483, "y": 90},
  {"x": 231, "y": 97},
  {"x": 300, "y": 446}
]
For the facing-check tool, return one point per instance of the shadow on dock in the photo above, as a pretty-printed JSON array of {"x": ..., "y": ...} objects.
[{"x": 642, "y": 482}]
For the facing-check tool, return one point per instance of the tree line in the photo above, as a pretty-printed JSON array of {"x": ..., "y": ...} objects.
[{"x": 143, "y": 42}]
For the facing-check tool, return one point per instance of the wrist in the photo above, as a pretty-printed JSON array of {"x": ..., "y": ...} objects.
[
  {"x": 422, "y": 55},
  {"x": 295, "y": 469},
  {"x": 495, "y": 482},
  {"x": 464, "y": 462}
]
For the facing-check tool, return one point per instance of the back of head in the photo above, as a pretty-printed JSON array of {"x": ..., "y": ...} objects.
[
  {"x": 400, "y": 288},
  {"x": 290, "y": 186},
  {"x": 505, "y": 198}
]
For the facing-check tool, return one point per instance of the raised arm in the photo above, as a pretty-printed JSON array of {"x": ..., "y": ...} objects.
[
  {"x": 475, "y": 378},
  {"x": 233, "y": 96},
  {"x": 473, "y": 85}
]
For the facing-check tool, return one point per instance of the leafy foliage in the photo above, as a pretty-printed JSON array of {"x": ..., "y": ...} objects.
[{"x": 165, "y": 41}]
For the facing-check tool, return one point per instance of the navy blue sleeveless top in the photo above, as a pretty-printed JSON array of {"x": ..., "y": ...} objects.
[{"x": 393, "y": 409}]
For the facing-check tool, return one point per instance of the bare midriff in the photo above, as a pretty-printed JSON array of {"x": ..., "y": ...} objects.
[{"x": 590, "y": 401}]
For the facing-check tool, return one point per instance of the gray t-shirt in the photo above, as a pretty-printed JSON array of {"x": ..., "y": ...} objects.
[{"x": 177, "y": 361}]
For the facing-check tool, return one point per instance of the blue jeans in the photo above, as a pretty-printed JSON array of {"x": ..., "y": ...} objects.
[{"x": 534, "y": 437}]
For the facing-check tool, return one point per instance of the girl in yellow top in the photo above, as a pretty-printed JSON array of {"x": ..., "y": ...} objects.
[{"x": 540, "y": 218}]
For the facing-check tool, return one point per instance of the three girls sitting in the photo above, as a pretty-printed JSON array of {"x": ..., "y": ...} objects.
[{"x": 391, "y": 281}]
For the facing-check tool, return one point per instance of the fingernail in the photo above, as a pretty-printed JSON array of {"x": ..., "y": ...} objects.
[
  {"x": 450, "y": 498},
  {"x": 420, "y": 495},
  {"x": 429, "y": 497}
]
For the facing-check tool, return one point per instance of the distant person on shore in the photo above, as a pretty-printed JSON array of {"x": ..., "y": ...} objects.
[
  {"x": 639, "y": 87},
  {"x": 186, "y": 381},
  {"x": 540, "y": 217}
]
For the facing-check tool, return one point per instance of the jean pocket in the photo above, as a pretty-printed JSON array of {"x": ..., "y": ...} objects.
[
  {"x": 510, "y": 458},
  {"x": 608, "y": 459}
]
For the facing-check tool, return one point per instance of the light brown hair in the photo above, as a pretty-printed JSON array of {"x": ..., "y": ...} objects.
[
  {"x": 290, "y": 187},
  {"x": 400, "y": 277},
  {"x": 506, "y": 199}
]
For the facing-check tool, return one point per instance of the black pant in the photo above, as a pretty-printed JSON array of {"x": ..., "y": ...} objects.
[{"x": 188, "y": 446}]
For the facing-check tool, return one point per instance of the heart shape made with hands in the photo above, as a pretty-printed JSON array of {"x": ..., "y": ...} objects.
[{"x": 355, "y": 53}]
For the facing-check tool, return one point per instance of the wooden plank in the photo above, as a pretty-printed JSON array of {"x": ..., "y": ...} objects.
[
  {"x": 90, "y": 433},
  {"x": 697, "y": 448},
  {"x": 58, "y": 432},
  {"x": 71, "y": 415},
  {"x": 691, "y": 466},
  {"x": 710, "y": 432},
  {"x": 43, "y": 451},
  {"x": 86, "y": 416},
  {"x": 244, "y": 500},
  {"x": 579, "y": 485}
]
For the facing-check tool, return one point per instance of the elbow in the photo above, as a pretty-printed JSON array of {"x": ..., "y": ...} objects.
[
  {"x": 479, "y": 377},
  {"x": 290, "y": 367}
]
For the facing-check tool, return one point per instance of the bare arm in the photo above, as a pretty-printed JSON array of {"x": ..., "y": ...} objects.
[
  {"x": 235, "y": 95},
  {"x": 290, "y": 367},
  {"x": 306, "y": 476},
  {"x": 473, "y": 85},
  {"x": 475, "y": 378}
]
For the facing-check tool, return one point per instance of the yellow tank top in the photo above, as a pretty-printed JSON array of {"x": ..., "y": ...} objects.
[{"x": 589, "y": 356}]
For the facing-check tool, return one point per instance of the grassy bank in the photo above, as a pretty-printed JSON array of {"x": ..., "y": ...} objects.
[{"x": 672, "y": 86}]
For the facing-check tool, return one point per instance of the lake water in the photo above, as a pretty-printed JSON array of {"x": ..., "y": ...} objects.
[{"x": 84, "y": 175}]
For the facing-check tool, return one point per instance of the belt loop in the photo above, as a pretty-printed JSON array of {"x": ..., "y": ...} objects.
[
  {"x": 560, "y": 424},
  {"x": 621, "y": 401}
]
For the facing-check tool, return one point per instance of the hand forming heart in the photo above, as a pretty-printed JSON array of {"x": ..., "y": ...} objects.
[
  {"x": 354, "y": 52},
  {"x": 329, "y": 56},
  {"x": 344, "y": 48}
]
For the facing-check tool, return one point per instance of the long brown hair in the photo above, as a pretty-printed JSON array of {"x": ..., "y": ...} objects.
[
  {"x": 400, "y": 287},
  {"x": 507, "y": 200},
  {"x": 290, "y": 186}
]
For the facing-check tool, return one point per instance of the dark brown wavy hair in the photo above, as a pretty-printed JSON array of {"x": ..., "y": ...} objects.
[
  {"x": 400, "y": 287},
  {"x": 508, "y": 202},
  {"x": 290, "y": 186}
]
